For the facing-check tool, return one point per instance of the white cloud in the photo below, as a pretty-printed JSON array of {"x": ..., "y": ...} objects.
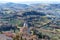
[{"x": 32, "y": 1}]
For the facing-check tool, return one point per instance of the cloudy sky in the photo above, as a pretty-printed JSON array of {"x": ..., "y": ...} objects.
[{"x": 31, "y": 1}]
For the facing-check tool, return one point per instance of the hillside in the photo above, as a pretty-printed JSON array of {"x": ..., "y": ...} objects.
[{"x": 45, "y": 18}]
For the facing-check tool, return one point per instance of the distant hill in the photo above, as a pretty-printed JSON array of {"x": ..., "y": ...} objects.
[
  {"x": 21, "y": 11},
  {"x": 52, "y": 9},
  {"x": 14, "y": 5}
]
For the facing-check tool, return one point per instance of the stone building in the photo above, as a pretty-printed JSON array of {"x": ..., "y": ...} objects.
[
  {"x": 26, "y": 33},
  {"x": 4, "y": 37}
]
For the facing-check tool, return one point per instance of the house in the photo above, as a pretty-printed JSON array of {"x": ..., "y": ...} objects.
[{"x": 4, "y": 37}]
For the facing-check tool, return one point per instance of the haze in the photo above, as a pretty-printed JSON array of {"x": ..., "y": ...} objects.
[{"x": 30, "y": 1}]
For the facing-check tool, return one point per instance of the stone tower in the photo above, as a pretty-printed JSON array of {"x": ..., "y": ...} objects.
[{"x": 25, "y": 24}]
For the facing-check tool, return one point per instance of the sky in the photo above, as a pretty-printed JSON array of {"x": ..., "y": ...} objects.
[{"x": 30, "y": 1}]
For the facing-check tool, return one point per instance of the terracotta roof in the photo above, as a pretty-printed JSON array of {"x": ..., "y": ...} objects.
[{"x": 4, "y": 37}]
